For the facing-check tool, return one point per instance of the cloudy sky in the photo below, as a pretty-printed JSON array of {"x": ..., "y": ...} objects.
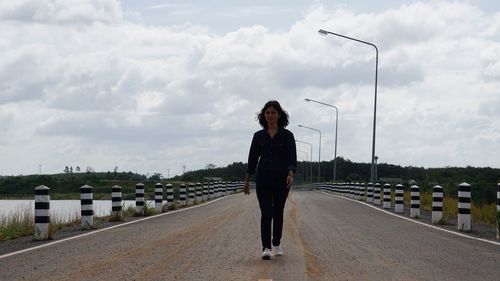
[{"x": 152, "y": 86}]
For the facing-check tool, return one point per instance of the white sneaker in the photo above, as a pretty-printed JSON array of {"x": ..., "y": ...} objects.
[
  {"x": 266, "y": 255},
  {"x": 278, "y": 251}
]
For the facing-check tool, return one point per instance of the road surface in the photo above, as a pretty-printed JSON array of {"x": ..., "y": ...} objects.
[{"x": 325, "y": 238}]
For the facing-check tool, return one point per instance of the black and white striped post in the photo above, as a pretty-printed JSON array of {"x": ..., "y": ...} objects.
[
  {"x": 225, "y": 188},
  {"x": 369, "y": 193},
  {"x": 399, "y": 199},
  {"x": 464, "y": 200},
  {"x": 211, "y": 190},
  {"x": 87, "y": 207},
  {"x": 498, "y": 210},
  {"x": 356, "y": 191},
  {"x": 376, "y": 194},
  {"x": 170, "y": 194},
  {"x": 387, "y": 196},
  {"x": 205, "y": 191},
  {"x": 182, "y": 195},
  {"x": 437, "y": 204},
  {"x": 363, "y": 191},
  {"x": 191, "y": 193},
  {"x": 414, "y": 201},
  {"x": 159, "y": 197},
  {"x": 116, "y": 202},
  {"x": 199, "y": 197},
  {"x": 139, "y": 198},
  {"x": 42, "y": 213},
  {"x": 217, "y": 189}
]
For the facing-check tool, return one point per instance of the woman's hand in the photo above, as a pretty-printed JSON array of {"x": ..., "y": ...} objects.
[
  {"x": 289, "y": 181},
  {"x": 246, "y": 188}
]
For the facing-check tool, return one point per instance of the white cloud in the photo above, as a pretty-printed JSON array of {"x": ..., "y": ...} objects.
[
  {"x": 61, "y": 11},
  {"x": 80, "y": 85}
]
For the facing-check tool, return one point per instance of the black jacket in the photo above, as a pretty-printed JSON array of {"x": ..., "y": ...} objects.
[{"x": 272, "y": 158}]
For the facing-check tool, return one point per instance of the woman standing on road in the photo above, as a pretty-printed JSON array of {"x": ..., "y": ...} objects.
[{"x": 273, "y": 157}]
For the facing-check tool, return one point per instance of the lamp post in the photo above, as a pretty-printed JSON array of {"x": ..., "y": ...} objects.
[
  {"x": 311, "y": 146},
  {"x": 319, "y": 149},
  {"x": 305, "y": 169},
  {"x": 324, "y": 32},
  {"x": 336, "y": 130}
]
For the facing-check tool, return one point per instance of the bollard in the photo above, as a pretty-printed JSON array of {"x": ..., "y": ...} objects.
[
  {"x": 369, "y": 193},
  {"x": 139, "y": 199},
  {"x": 376, "y": 194},
  {"x": 182, "y": 195},
  {"x": 211, "y": 190},
  {"x": 170, "y": 194},
  {"x": 498, "y": 210},
  {"x": 464, "y": 207},
  {"x": 399, "y": 199},
  {"x": 42, "y": 212},
  {"x": 216, "y": 189},
  {"x": 158, "y": 197},
  {"x": 414, "y": 201},
  {"x": 437, "y": 204},
  {"x": 191, "y": 194},
  {"x": 225, "y": 188},
  {"x": 219, "y": 189},
  {"x": 116, "y": 202},
  {"x": 199, "y": 197},
  {"x": 387, "y": 196},
  {"x": 363, "y": 191},
  {"x": 205, "y": 191},
  {"x": 87, "y": 207}
]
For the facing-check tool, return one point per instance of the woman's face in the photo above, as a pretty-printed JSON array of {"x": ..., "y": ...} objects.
[{"x": 271, "y": 115}]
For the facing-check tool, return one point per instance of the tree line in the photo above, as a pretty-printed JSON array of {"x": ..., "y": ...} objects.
[{"x": 483, "y": 179}]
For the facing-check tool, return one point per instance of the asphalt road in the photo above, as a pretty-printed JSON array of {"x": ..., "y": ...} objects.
[{"x": 325, "y": 238}]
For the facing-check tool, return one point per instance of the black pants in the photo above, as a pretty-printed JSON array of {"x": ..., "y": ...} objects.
[{"x": 272, "y": 198}]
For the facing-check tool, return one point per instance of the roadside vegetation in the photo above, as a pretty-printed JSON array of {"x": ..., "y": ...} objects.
[
  {"x": 22, "y": 223},
  {"x": 480, "y": 213}
]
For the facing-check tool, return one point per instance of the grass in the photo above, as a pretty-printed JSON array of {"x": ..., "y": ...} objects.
[
  {"x": 485, "y": 213},
  {"x": 22, "y": 222},
  {"x": 19, "y": 224}
]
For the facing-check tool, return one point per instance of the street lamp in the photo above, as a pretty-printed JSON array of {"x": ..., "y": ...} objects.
[
  {"x": 319, "y": 150},
  {"x": 311, "y": 146},
  {"x": 336, "y": 130},
  {"x": 324, "y": 32}
]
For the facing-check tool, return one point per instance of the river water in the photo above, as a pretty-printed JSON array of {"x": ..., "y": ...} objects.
[{"x": 60, "y": 210}]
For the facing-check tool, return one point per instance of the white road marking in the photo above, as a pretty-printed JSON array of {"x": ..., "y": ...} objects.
[
  {"x": 108, "y": 228},
  {"x": 421, "y": 223}
]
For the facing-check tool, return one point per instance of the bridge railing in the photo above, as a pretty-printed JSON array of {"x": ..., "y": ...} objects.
[
  {"x": 370, "y": 193},
  {"x": 186, "y": 195}
]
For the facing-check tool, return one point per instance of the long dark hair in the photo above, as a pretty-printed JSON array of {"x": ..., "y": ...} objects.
[{"x": 282, "y": 120}]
